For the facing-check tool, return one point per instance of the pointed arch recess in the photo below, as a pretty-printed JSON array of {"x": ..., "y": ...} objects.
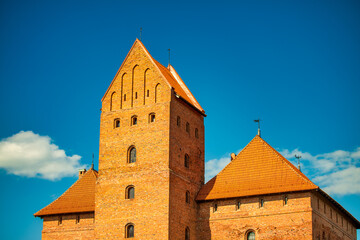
[
  {"x": 112, "y": 99},
  {"x": 122, "y": 85},
  {"x": 132, "y": 84},
  {"x": 145, "y": 78},
  {"x": 157, "y": 92}
]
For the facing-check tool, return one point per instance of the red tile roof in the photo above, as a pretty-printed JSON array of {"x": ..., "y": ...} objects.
[
  {"x": 80, "y": 197},
  {"x": 170, "y": 76},
  {"x": 258, "y": 169}
]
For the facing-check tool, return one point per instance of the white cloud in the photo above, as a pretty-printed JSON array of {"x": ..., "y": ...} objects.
[
  {"x": 337, "y": 172},
  {"x": 31, "y": 155},
  {"x": 214, "y": 166}
]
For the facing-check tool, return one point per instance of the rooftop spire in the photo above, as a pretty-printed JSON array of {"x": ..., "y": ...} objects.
[
  {"x": 92, "y": 163},
  {"x": 298, "y": 158},
  {"x": 258, "y": 121},
  {"x": 141, "y": 34}
]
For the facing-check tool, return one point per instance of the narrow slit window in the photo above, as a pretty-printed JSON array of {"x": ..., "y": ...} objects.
[
  {"x": 238, "y": 205},
  {"x": 187, "y": 233},
  {"x": 187, "y": 161},
  {"x": 135, "y": 95},
  {"x": 196, "y": 133},
  {"x": 124, "y": 97},
  {"x": 178, "y": 121},
  {"x": 77, "y": 219},
  {"x": 215, "y": 207},
  {"x": 285, "y": 200},
  {"x": 147, "y": 93},
  {"x": 60, "y": 220},
  {"x": 188, "y": 127},
  {"x": 187, "y": 197},
  {"x": 262, "y": 202}
]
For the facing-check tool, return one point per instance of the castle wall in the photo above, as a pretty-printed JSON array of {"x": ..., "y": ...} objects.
[
  {"x": 69, "y": 228},
  {"x": 274, "y": 221},
  {"x": 329, "y": 222},
  {"x": 185, "y": 178}
]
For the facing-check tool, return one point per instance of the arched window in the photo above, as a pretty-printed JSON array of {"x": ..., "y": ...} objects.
[
  {"x": 129, "y": 230},
  {"x": 196, "y": 133},
  {"x": 187, "y": 197},
  {"x": 130, "y": 192},
  {"x": 187, "y": 161},
  {"x": 151, "y": 117},
  {"x": 116, "y": 123},
  {"x": 132, "y": 155},
  {"x": 133, "y": 120},
  {"x": 187, "y": 233},
  {"x": 250, "y": 235},
  {"x": 188, "y": 127}
]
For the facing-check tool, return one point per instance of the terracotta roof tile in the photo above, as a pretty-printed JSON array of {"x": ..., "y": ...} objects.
[
  {"x": 80, "y": 197},
  {"x": 258, "y": 169}
]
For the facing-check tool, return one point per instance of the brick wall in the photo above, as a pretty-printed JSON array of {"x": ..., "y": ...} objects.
[
  {"x": 275, "y": 220},
  {"x": 182, "y": 178},
  {"x": 69, "y": 227},
  {"x": 329, "y": 222}
]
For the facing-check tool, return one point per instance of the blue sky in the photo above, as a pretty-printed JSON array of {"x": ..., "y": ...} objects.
[{"x": 294, "y": 64}]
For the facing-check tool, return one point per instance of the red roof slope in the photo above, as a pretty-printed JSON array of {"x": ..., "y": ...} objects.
[
  {"x": 258, "y": 169},
  {"x": 80, "y": 197}
]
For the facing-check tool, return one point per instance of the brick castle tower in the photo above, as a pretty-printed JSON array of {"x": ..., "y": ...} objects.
[
  {"x": 150, "y": 183},
  {"x": 151, "y": 161}
]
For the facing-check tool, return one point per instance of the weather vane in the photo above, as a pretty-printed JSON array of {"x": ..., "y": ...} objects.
[
  {"x": 298, "y": 158},
  {"x": 258, "y": 121},
  {"x": 169, "y": 56}
]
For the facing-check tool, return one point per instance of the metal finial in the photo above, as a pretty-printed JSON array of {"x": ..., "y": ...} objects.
[
  {"x": 141, "y": 34},
  {"x": 298, "y": 158},
  {"x": 169, "y": 55},
  {"x": 258, "y": 121},
  {"x": 92, "y": 163}
]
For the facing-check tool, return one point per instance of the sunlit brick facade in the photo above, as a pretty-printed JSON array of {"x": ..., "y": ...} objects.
[{"x": 152, "y": 142}]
